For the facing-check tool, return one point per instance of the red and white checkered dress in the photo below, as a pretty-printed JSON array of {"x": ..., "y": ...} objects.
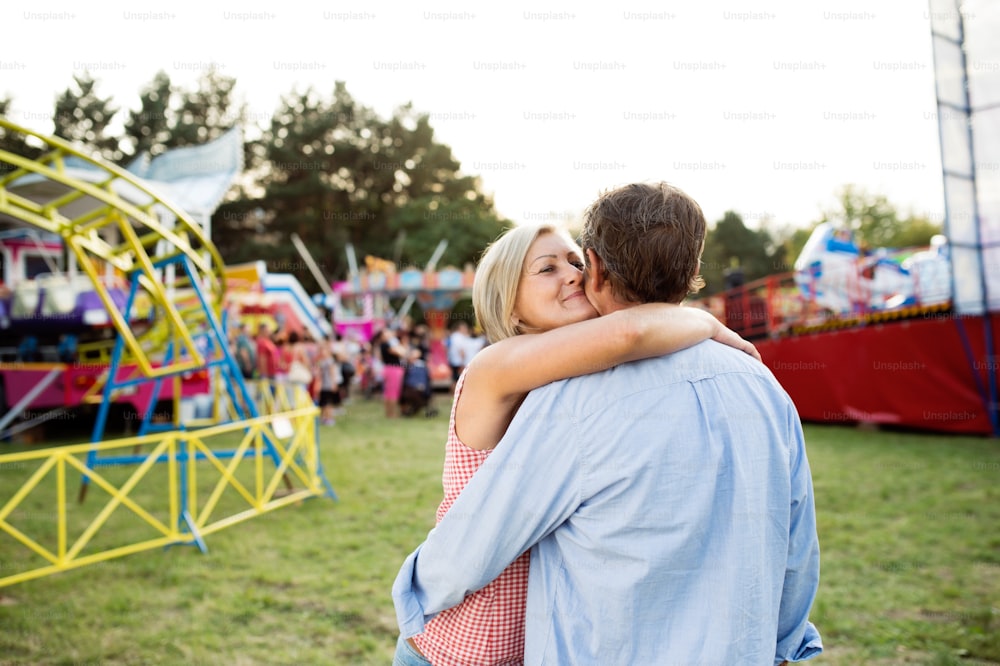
[{"x": 487, "y": 628}]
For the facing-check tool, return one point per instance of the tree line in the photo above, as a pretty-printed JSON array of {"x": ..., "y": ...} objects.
[{"x": 333, "y": 171}]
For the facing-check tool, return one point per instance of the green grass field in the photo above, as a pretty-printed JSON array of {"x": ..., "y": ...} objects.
[{"x": 908, "y": 530}]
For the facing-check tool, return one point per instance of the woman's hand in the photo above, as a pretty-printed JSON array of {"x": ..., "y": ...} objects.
[{"x": 729, "y": 337}]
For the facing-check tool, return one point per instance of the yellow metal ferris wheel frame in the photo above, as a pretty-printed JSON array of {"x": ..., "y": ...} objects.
[{"x": 142, "y": 233}]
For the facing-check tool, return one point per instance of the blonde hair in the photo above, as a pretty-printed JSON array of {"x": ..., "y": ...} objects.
[{"x": 498, "y": 275}]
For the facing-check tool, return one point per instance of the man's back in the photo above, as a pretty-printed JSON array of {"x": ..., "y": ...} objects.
[
  {"x": 692, "y": 479},
  {"x": 670, "y": 506}
]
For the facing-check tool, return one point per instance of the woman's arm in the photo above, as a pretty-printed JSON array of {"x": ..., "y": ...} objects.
[{"x": 512, "y": 367}]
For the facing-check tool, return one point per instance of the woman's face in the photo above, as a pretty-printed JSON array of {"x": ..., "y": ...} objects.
[{"x": 550, "y": 292}]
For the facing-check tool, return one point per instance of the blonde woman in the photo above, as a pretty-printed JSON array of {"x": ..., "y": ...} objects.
[{"x": 529, "y": 299}]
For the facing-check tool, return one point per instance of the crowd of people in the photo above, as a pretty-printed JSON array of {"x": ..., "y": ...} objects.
[
  {"x": 324, "y": 368},
  {"x": 400, "y": 365},
  {"x": 394, "y": 363}
]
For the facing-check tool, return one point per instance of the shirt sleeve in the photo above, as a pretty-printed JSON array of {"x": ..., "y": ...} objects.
[
  {"x": 528, "y": 486},
  {"x": 798, "y": 639}
]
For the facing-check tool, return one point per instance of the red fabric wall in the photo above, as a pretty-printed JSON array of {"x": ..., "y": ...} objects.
[{"x": 913, "y": 373}]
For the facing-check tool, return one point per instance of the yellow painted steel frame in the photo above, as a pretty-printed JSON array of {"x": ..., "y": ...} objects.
[
  {"x": 80, "y": 234},
  {"x": 179, "y": 450},
  {"x": 146, "y": 243}
]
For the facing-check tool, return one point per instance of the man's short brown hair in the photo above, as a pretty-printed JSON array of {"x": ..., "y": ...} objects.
[{"x": 650, "y": 238}]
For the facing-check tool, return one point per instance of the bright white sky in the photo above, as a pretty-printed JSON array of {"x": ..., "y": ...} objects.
[{"x": 765, "y": 108}]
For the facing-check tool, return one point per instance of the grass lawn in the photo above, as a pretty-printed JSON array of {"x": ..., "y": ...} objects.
[{"x": 908, "y": 529}]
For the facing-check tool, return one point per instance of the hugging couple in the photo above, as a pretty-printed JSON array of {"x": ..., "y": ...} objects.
[{"x": 625, "y": 483}]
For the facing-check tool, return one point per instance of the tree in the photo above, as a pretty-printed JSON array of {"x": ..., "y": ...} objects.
[
  {"x": 14, "y": 142},
  {"x": 424, "y": 222},
  {"x": 334, "y": 173},
  {"x": 876, "y": 222},
  {"x": 914, "y": 231},
  {"x": 169, "y": 117},
  {"x": 730, "y": 243},
  {"x": 873, "y": 219},
  {"x": 82, "y": 117},
  {"x": 206, "y": 112},
  {"x": 795, "y": 241},
  {"x": 148, "y": 129}
]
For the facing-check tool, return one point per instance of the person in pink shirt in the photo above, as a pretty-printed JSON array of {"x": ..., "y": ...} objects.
[{"x": 529, "y": 299}]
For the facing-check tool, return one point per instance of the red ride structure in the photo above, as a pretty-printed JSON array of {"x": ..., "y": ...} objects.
[{"x": 921, "y": 366}]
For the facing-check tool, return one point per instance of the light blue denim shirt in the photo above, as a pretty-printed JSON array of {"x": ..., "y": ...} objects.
[{"x": 670, "y": 506}]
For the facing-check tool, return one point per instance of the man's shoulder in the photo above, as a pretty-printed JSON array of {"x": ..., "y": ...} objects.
[
  {"x": 711, "y": 357},
  {"x": 706, "y": 360}
]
